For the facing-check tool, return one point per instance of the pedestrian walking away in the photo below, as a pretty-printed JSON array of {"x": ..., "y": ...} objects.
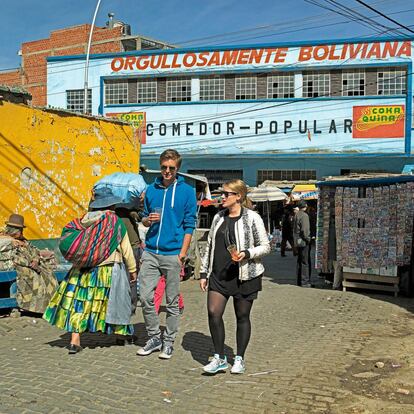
[
  {"x": 96, "y": 294},
  {"x": 231, "y": 267},
  {"x": 302, "y": 239},
  {"x": 287, "y": 230},
  {"x": 170, "y": 214}
]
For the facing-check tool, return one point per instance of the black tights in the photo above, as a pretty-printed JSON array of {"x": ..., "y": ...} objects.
[{"x": 216, "y": 304}]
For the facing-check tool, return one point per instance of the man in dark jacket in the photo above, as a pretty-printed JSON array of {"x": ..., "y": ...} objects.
[
  {"x": 302, "y": 238},
  {"x": 287, "y": 230}
]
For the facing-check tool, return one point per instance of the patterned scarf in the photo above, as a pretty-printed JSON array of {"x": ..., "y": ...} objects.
[{"x": 89, "y": 246}]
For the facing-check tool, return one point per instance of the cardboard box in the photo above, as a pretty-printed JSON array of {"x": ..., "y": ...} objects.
[
  {"x": 389, "y": 271},
  {"x": 351, "y": 269}
]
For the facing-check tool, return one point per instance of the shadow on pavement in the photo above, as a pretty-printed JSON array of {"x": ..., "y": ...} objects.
[
  {"x": 99, "y": 340},
  {"x": 201, "y": 347},
  {"x": 282, "y": 270}
]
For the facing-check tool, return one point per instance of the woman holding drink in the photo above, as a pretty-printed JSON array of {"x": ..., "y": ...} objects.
[{"x": 232, "y": 267}]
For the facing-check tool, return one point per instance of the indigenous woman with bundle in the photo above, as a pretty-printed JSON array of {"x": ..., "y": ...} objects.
[
  {"x": 232, "y": 267},
  {"x": 95, "y": 295}
]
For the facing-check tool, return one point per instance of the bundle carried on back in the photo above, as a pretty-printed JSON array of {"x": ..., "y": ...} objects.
[{"x": 88, "y": 246}]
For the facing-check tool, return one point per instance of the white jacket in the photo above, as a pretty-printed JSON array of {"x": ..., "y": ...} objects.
[{"x": 251, "y": 235}]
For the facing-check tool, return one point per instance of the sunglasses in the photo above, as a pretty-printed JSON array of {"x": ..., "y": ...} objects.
[
  {"x": 228, "y": 193},
  {"x": 166, "y": 167}
]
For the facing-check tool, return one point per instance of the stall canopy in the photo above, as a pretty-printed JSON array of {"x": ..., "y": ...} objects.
[
  {"x": 263, "y": 194},
  {"x": 304, "y": 192},
  {"x": 266, "y": 194}
]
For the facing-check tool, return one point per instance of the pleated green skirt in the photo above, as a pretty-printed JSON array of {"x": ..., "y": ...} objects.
[{"x": 81, "y": 300}]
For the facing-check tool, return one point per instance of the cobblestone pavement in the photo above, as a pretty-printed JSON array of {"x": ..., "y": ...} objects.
[{"x": 312, "y": 350}]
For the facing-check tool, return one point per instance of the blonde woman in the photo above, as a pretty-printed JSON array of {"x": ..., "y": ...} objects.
[{"x": 232, "y": 267}]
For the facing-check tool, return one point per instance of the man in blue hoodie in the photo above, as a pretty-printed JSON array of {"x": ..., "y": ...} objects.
[{"x": 170, "y": 213}]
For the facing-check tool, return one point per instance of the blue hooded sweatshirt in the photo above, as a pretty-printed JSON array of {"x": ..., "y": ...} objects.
[{"x": 178, "y": 217}]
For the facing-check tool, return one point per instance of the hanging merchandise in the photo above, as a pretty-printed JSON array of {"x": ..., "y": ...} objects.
[{"x": 373, "y": 222}]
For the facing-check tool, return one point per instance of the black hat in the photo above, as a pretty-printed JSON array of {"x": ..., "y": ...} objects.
[
  {"x": 302, "y": 204},
  {"x": 104, "y": 197}
]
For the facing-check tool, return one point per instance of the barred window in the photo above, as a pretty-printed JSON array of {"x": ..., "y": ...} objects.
[
  {"x": 391, "y": 81},
  {"x": 146, "y": 91},
  {"x": 316, "y": 84},
  {"x": 353, "y": 82},
  {"x": 75, "y": 100},
  {"x": 245, "y": 87},
  {"x": 179, "y": 90},
  {"x": 281, "y": 86},
  {"x": 212, "y": 89},
  {"x": 282, "y": 175},
  {"x": 116, "y": 92}
]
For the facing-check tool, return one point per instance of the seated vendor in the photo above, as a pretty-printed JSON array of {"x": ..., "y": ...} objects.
[
  {"x": 34, "y": 268},
  {"x": 14, "y": 230}
]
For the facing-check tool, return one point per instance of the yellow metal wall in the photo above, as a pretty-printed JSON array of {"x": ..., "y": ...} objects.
[{"x": 50, "y": 160}]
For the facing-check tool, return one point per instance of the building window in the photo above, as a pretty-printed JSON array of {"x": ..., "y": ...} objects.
[
  {"x": 179, "y": 90},
  {"x": 146, "y": 91},
  {"x": 245, "y": 87},
  {"x": 285, "y": 175},
  {"x": 391, "y": 81},
  {"x": 281, "y": 86},
  {"x": 75, "y": 100},
  {"x": 316, "y": 84},
  {"x": 353, "y": 83},
  {"x": 116, "y": 92},
  {"x": 212, "y": 89}
]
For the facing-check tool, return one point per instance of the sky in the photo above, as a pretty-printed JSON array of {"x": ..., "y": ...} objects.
[{"x": 192, "y": 23}]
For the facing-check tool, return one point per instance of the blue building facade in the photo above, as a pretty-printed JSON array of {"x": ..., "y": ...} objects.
[{"x": 291, "y": 111}]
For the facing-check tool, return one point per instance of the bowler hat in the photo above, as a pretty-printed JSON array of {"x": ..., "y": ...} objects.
[
  {"x": 302, "y": 204},
  {"x": 16, "y": 220},
  {"x": 104, "y": 197}
]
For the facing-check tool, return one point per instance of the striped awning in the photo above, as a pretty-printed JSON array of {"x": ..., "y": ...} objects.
[
  {"x": 261, "y": 194},
  {"x": 305, "y": 192}
]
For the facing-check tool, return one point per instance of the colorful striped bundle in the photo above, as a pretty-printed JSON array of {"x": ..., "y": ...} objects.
[{"x": 86, "y": 247}]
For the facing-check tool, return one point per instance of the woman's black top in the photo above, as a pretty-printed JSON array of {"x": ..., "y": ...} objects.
[{"x": 225, "y": 273}]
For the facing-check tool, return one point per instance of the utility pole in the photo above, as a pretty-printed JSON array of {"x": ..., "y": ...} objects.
[{"x": 85, "y": 91}]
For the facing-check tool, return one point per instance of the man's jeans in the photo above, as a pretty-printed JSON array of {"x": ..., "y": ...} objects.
[{"x": 152, "y": 267}]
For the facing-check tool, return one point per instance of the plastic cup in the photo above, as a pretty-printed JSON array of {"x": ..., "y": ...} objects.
[
  {"x": 232, "y": 249},
  {"x": 156, "y": 214}
]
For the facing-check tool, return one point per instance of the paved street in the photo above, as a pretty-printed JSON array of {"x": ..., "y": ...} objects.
[{"x": 312, "y": 350}]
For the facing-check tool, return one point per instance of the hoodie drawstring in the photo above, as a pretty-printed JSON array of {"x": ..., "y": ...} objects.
[{"x": 173, "y": 194}]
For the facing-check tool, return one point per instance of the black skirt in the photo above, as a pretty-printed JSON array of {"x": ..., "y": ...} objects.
[{"x": 234, "y": 287}]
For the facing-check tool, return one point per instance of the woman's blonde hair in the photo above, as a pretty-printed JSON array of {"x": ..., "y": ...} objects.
[{"x": 240, "y": 187}]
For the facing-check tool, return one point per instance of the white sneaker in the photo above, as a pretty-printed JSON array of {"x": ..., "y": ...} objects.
[
  {"x": 217, "y": 364},
  {"x": 238, "y": 367}
]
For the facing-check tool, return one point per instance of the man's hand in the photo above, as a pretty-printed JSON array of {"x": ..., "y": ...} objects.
[
  {"x": 181, "y": 259},
  {"x": 203, "y": 285},
  {"x": 132, "y": 277}
]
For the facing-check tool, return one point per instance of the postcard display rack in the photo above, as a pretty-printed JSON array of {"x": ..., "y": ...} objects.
[{"x": 373, "y": 229}]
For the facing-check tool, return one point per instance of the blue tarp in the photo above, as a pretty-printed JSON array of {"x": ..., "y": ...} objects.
[{"x": 128, "y": 186}]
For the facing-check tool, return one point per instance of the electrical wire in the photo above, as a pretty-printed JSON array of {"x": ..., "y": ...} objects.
[
  {"x": 385, "y": 16},
  {"x": 294, "y": 23}
]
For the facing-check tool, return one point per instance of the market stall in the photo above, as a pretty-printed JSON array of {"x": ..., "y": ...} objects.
[
  {"x": 304, "y": 192},
  {"x": 365, "y": 226},
  {"x": 266, "y": 194}
]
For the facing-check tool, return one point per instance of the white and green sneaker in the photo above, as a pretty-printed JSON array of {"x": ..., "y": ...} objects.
[
  {"x": 216, "y": 364},
  {"x": 238, "y": 367}
]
